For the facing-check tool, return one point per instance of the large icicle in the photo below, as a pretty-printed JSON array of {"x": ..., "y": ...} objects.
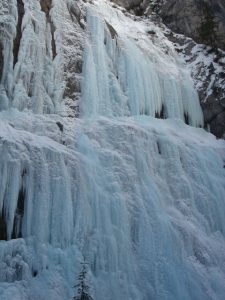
[{"x": 126, "y": 74}]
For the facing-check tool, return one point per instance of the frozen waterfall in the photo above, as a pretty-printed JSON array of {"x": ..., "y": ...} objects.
[
  {"x": 32, "y": 74},
  {"x": 141, "y": 200},
  {"x": 122, "y": 77}
]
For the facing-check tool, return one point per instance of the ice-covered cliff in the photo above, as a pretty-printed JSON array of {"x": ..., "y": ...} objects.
[
  {"x": 191, "y": 22},
  {"x": 97, "y": 164}
]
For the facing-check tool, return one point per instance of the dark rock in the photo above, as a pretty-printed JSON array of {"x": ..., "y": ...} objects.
[
  {"x": 208, "y": 78},
  {"x": 73, "y": 86},
  {"x": 111, "y": 30},
  {"x": 16, "y": 44},
  {"x": 186, "y": 17},
  {"x": 161, "y": 114},
  {"x": 128, "y": 4},
  {"x": 159, "y": 148},
  {"x": 211, "y": 109},
  {"x": 3, "y": 227},
  {"x": 76, "y": 14},
  {"x": 54, "y": 53},
  {"x": 75, "y": 10},
  {"x": 152, "y": 32},
  {"x": 1, "y": 60},
  {"x": 17, "y": 225},
  {"x": 46, "y": 7},
  {"x": 60, "y": 125},
  {"x": 217, "y": 125},
  {"x": 34, "y": 273}
]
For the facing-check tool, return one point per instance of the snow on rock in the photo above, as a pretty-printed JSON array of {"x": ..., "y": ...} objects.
[{"x": 208, "y": 72}]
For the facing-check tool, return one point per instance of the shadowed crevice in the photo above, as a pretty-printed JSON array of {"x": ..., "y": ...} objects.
[
  {"x": 186, "y": 119},
  {"x": 112, "y": 31},
  {"x": 16, "y": 43},
  {"x": 3, "y": 227},
  {"x": 161, "y": 114},
  {"x": 46, "y": 7},
  {"x": 17, "y": 225},
  {"x": 1, "y": 60}
]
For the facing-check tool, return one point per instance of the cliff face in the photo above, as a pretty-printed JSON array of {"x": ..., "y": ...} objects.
[
  {"x": 186, "y": 16},
  {"x": 183, "y": 16},
  {"x": 208, "y": 73}
]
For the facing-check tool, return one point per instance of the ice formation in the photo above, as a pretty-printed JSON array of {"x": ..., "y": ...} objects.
[
  {"x": 126, "y": 74},
  {"x": 32, "y": 78},
  {"x": 140, "y": 199}
]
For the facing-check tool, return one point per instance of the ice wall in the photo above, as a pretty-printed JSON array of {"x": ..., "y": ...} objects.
[
  {"x": 140, "y": 199},
  {"x": 127, "y": 73},
  {"x": 32, "y": 74}
]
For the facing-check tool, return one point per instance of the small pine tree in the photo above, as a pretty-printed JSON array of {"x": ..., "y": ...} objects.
[
  {"x": 207, "y": 30},
  {"x": 83, "y": 290}
]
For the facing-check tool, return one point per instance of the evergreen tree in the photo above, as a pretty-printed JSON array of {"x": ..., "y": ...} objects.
[
  {"x": 83, "y": 290},
  {"x": 207, "y": 30}
]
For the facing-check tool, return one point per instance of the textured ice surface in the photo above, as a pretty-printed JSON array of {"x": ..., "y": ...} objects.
[
  {"x": 34, "y": 78},
  {"x": 140, "y": 199},
  {"x": 126, "y": 73}
]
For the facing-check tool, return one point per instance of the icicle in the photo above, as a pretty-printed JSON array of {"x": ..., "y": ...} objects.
[{"x": 121, "y": 78}]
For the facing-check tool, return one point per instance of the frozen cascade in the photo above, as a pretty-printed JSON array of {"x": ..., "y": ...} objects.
[
  {"x": 141, "y": 199},
  {"x": 122, "y": 77},
  {"x": 32, "y": 78}
]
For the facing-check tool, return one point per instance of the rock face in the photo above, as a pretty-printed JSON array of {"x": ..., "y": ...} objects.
[
  {"x": 186, "y": 16},
  {"x": 183, "y": 16},
  {"x": 214, "y": 112},
  {"x": 207, "y": 70},
  {"x": 129, "y": 4}
]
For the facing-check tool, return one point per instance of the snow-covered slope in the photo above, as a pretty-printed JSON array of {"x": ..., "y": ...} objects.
[{"x": 140, "y": 200}]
